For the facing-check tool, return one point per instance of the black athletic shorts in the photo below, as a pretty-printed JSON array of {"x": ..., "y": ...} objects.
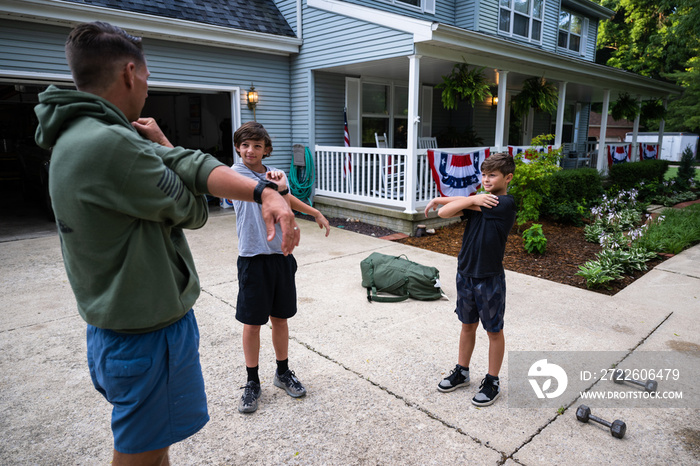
[
  {"x": 482, "y": 299},
  {"x": 266, "y": 288}
]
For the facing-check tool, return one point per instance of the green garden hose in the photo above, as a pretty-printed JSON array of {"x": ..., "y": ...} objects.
[{"x": 303, "y": 189}]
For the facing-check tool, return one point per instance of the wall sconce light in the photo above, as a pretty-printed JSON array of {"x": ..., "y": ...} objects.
[
  {"x": 252, "y": 99},
  {"x": 494, "y": 101}
]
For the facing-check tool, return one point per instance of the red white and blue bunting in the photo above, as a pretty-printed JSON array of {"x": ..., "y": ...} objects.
[
  {"x": 618, "y": 154},
  {"x": 648, "y": 151},
  {"x": 457, "y": 174}
]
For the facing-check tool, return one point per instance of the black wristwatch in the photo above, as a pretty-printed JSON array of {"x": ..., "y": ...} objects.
[{"x": 262, "y": 184}]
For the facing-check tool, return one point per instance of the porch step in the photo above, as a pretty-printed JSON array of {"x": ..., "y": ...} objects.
[{"x": 373, "y": 214}]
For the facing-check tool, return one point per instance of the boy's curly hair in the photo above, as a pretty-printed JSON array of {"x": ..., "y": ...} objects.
[
  {"x": 255, "y": 131},
  {"x": 499, "y": 162}
]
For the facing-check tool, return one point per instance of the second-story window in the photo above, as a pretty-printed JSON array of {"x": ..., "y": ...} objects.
[
  {"x": 426, "y": 6},
  {"x": 521, "y": 18},
  {"x": 570, "y": 31}
]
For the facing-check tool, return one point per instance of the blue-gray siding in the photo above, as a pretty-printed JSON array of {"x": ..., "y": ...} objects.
[
  {"x": 331, "y": 40},
  {"x": 29, "y": 47}
]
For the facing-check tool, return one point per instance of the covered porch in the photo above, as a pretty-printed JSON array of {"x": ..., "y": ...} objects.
[{"x": 397, "y": 180}]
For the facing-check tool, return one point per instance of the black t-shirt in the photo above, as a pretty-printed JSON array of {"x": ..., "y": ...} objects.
[{"x": 484, "y": 240}]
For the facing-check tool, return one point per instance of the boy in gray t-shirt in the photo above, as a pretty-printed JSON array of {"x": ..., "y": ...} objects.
[{"x": 266, "y": 288}]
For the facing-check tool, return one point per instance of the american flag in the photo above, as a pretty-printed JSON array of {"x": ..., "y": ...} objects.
[{"x": 347, "y": 165}]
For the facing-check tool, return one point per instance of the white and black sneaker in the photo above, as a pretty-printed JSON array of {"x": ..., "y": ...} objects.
[
  {"x": 290, "y": 383},
  {"x": 459, "y": 377},
  {"x": 250, "y": 397},
  {"x": 490, "y": 389}
]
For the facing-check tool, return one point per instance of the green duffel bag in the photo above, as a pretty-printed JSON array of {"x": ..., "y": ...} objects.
[{"x": 399, "y": 276}]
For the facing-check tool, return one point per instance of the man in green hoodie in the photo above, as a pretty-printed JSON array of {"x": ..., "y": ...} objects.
[{"x": 122, "y": 200}]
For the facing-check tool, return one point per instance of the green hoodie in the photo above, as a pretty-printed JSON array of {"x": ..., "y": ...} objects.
[{"x": 121, "y": 203}]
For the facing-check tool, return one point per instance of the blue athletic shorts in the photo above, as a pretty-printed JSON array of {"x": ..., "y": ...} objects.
[
  {"x": 153, "y": 381},
  {"x": 482, "y": 299},
  {"x": 266, "y": 288}
]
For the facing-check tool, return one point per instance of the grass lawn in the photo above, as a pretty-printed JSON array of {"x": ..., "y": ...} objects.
[{"x": 673, "y": 169}]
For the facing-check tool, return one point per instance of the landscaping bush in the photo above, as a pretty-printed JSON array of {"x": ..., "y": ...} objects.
[
  {"x": 530, "y": 185},
  {"x": 628, "y": 175},
  {"x": 674, "y": 231},
  {"x": 571, "y": 193},
  {"x": 685, "y": 178}
]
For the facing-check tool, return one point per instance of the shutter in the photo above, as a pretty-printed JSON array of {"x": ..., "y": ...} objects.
[
  {"x": 426, "y": 111},
  {"x": 584, "y": 37},
  {"x": 429, "y": 6},
  {"x": 352, "y": 102}
]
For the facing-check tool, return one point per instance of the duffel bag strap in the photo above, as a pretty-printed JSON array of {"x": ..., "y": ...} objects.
[{"x": 373, "y": 296}]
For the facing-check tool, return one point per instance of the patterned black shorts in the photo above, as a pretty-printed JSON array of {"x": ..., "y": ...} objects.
[{"x": 482, "y": 299}]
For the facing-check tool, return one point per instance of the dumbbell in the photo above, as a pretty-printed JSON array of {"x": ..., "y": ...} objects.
[
  {"x": 649, "y": 385},
  {"x": 617, "y": 427}
]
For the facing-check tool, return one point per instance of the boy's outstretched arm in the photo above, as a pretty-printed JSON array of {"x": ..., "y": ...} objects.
[
  {"x": 302, "y": 207},
  {"x": 453, "y": 206}
]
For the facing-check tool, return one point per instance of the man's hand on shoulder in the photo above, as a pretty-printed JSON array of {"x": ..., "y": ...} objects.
[{"x": 148, "y": 128}]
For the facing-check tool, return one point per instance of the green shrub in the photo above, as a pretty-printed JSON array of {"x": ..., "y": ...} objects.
[
  {"x": 534, "y": 239},
  {"x": 530, "y": 185},
  {"x": 685, "y": 178},
  {"x": 570, "y": 195},
  {"x": 628, "y": 175}
]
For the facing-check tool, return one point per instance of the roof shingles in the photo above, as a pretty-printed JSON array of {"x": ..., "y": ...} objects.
[{"x": 249, "y": 15}]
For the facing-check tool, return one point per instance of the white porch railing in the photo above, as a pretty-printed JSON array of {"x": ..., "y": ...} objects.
[{"x": 375, "y": 176}]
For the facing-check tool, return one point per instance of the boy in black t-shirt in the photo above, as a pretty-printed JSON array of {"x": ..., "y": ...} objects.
[{"x": 481, "y": 281}]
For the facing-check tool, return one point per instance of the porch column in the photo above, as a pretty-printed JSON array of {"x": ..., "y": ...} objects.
[
  {"x": 561, "y": 104},
  {"x": 635, "y": 132},
  {"x": 501, "y": 108},
  {"x": 602, "y": 164},
  {"x": 412, "y": 141},
  {"x": 662, "y": 125}
]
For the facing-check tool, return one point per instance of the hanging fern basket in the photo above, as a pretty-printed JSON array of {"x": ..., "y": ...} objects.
[
  {"x": 536, "y": 93},
  {"x": 464, "y": 84},
  {"x": 625, "y": 108}
]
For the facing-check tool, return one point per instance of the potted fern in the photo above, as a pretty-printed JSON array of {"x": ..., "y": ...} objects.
[
  {"x": 538, "y": 94},
  {"x": 464, "y": 84},
  {"x": 625, "y": 108}
]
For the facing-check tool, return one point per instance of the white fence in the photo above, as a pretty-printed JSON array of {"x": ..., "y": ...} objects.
[{"x": 373, "y": 175}]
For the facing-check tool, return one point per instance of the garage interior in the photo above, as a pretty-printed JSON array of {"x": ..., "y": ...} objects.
[{"x": 192, "y": 119}]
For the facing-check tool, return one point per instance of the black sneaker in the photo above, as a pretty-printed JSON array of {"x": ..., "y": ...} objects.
[
  {"x": 459, "y": 377},
  {"x": 249, "y": 400},
  {"x": 490, "y": 389},
  {"x": 290, "y": 383}
]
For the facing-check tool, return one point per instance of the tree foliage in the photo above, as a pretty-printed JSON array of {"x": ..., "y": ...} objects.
[{"x": 659, "y": 39}]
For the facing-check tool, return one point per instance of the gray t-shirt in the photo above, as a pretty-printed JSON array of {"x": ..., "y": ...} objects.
[{"x": 252, "y": 233}]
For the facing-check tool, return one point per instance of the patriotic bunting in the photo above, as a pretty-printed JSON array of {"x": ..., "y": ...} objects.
[
  {"x": 648, "y": 151},
  {"x": 457, "y": 174},
  {"x": 618, "y": 154}
]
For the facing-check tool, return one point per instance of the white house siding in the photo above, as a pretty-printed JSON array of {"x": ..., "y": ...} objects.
[
  {"x": 331, "y": 40},
  {"x": 33, "y": 48}
]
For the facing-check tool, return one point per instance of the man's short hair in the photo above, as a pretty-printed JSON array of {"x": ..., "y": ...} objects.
[
  {"x": 499, "y": 162},
  {"x": 97, "y": 51},
  {"x": 252, "y": 130}
]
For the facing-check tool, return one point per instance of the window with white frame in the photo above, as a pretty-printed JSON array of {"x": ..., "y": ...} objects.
[
  {"x": 521, "y": 18},
  {"x": 426, "y": 6},
  {"x": 571, "y": 29},
  {"x": 384, "y": 111}
]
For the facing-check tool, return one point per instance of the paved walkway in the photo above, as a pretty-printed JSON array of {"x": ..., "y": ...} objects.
[{"x": 370, "y": 369}]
